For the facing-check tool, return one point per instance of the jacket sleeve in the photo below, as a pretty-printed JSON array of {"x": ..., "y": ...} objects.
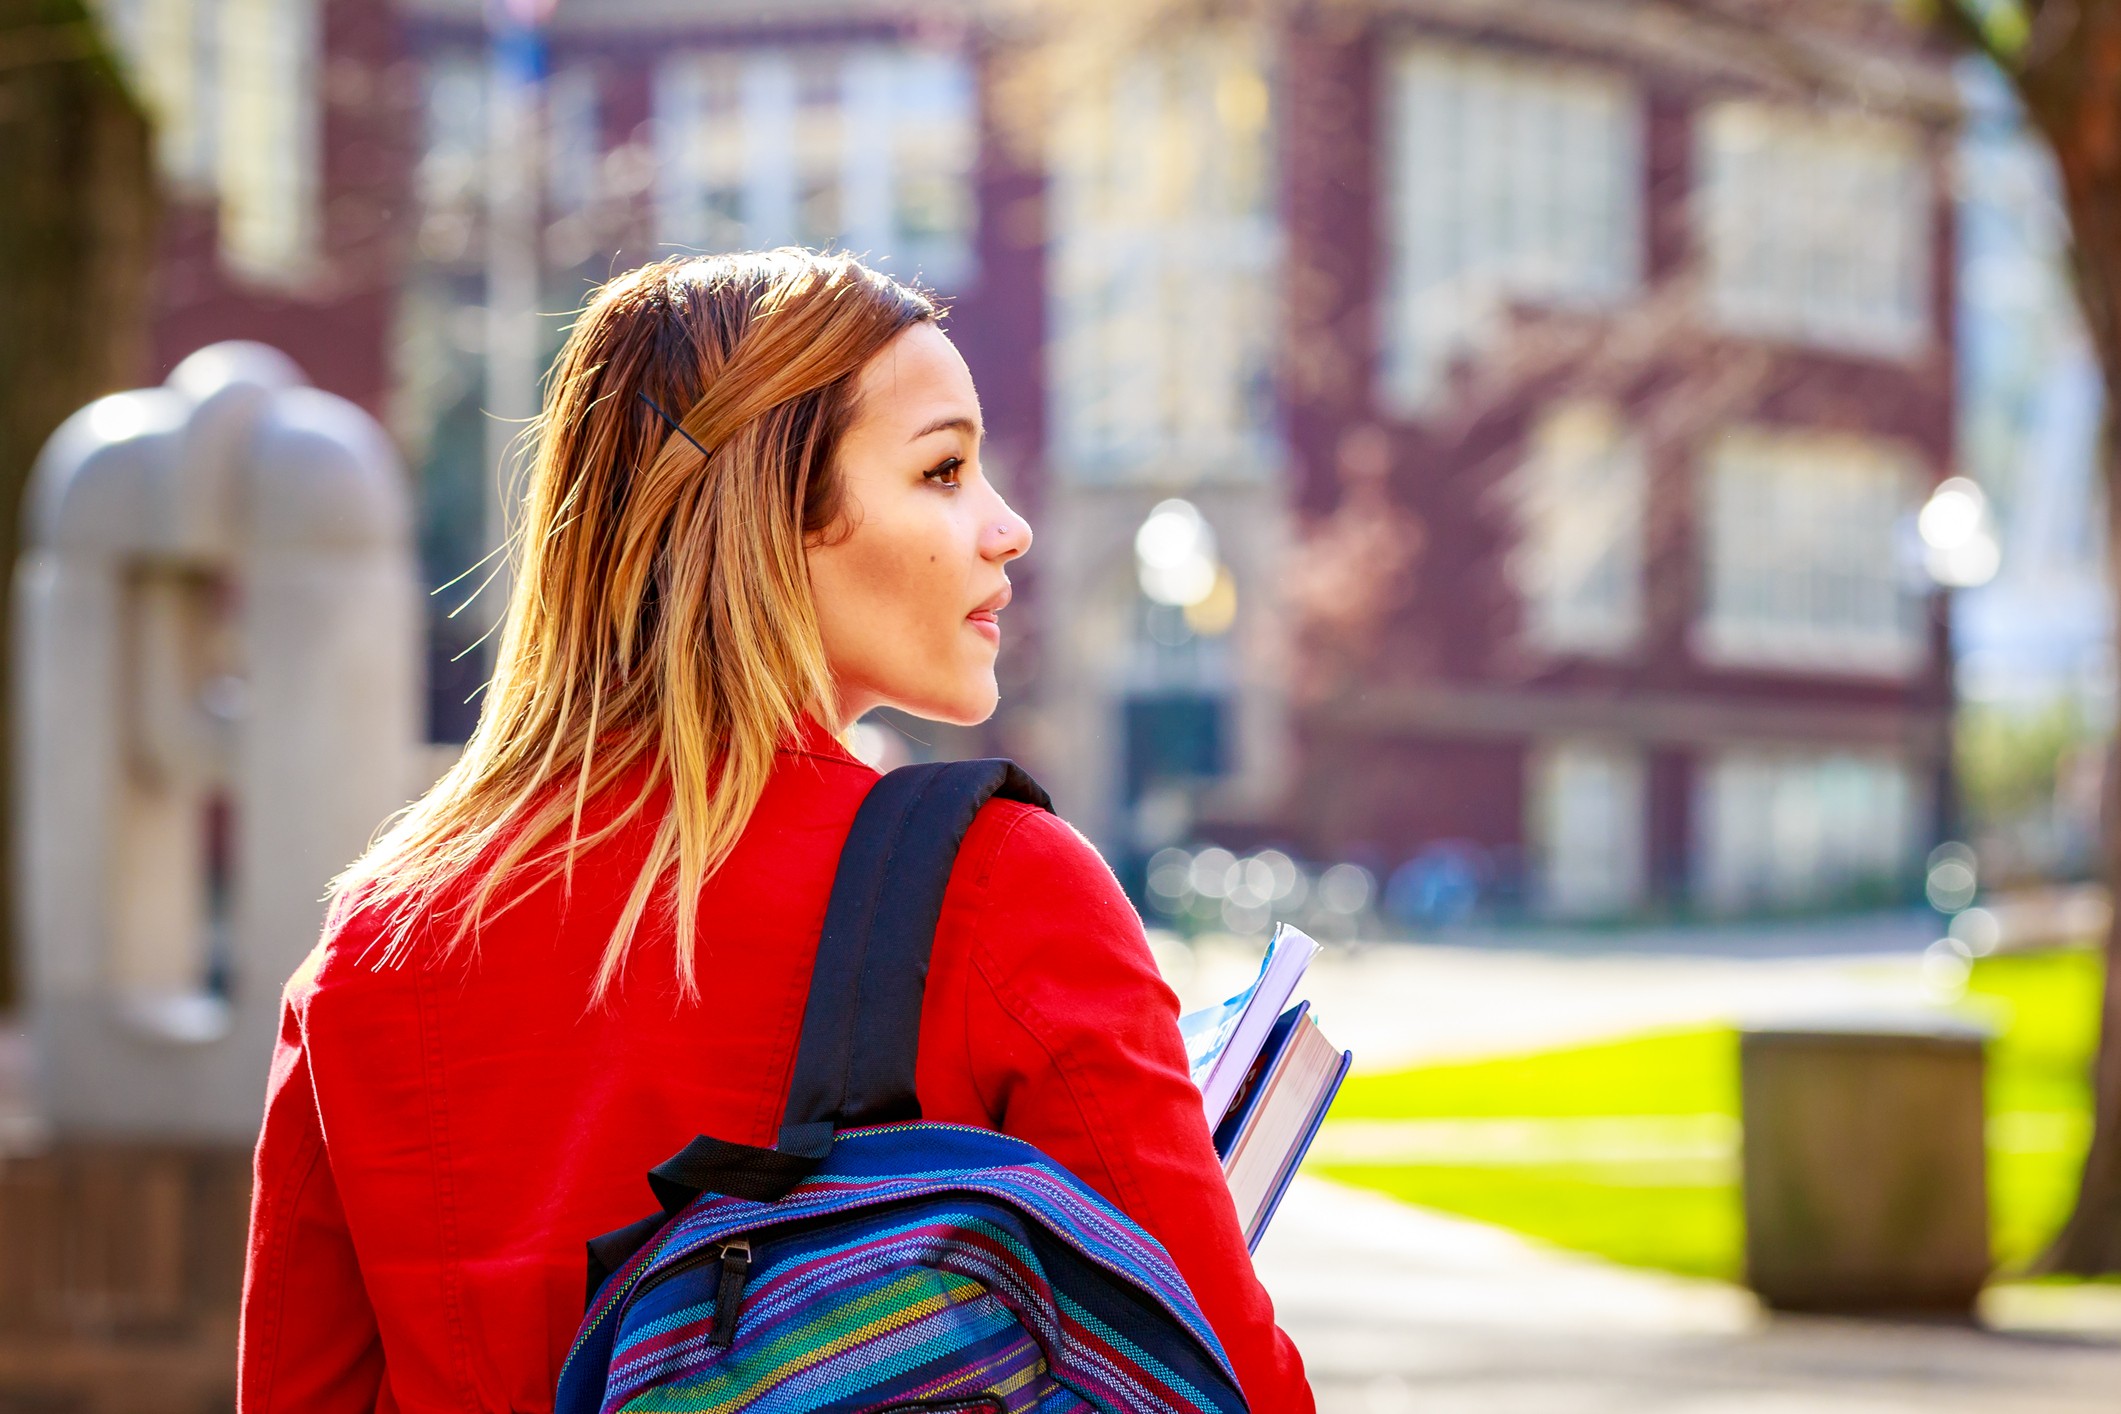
[
  {"x": 1075, "y": 1048},
  {"x": 309, "y": 1339}
]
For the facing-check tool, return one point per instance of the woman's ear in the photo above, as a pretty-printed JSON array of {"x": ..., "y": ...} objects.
[{"x": 843, "y": 524}]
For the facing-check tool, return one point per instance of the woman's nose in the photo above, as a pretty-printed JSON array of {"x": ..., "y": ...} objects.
[{"x": 1006, "y": 534}]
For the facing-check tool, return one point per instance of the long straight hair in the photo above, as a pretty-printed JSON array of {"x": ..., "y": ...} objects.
[{"x": 660, "y": 616}]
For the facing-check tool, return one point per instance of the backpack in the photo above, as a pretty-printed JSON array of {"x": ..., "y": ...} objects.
[{"x": 870, "y": 1262}]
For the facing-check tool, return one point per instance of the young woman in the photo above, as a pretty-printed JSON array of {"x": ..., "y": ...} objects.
[{"x": 756, "y": 512}]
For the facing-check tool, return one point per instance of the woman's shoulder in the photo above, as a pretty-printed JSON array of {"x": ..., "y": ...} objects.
[
  {"x": 366, "y": 942},
  {"x": 1031, "y": 877},
  {"x": 352, "y": 983},
  {"x": 1011, "y": 843}
]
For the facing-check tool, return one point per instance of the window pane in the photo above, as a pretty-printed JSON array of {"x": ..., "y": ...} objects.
[
  {"x": 1783, "y": 829},
  {"x": 1160, "y": 268},
  {"x": 1816, "y": 228},
  {"x": 870, "y": 150},
  {"x": 1506, "y": 180},
  {"x": 573, "y": 120},
  {"x": 1803, "y": 569},
  {"x": 451, "y": 177},
  {"x": 1590, "y": 823},
  {"x": 1578, "y": 561}
]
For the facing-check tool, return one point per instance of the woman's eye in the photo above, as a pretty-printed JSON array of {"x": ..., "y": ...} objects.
[{"x": 944, "y": 473}]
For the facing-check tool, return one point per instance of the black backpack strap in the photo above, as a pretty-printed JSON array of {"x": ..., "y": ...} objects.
[{"x": 861, "y": 1026}]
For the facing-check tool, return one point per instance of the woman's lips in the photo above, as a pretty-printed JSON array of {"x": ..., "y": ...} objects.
[{"x": 985, "y": 617}]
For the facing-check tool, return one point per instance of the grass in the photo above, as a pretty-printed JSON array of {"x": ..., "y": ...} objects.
[
  {"x": 1696, "y": 1230},
  {"x": 1689, "y": 1220},
  {"x": 1686, "y": 1072}
]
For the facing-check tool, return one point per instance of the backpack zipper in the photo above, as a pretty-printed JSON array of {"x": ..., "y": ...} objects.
[
  {"x": 735, "y": 1257},
  {"x": 711, "y": 1251},
  {"x": 736, "y": 1268}
]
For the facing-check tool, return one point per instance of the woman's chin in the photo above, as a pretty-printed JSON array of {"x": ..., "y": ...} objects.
[{"x": 963, "y": 706}]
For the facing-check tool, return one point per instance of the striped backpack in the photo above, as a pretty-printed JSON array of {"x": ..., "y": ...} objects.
[{"x": 870, "y": 1262}]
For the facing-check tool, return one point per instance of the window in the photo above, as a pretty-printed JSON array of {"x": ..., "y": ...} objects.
[
  {"x": 170, "y": 48},
  {"x": 1162, "y": 296},
  {"x": 451, "y": 177},
  {"x": 268, "y": 135},
  {"x": 1506, "y": 179},
  {"x": 1803, "y": 567},
  {"x": 1791, "y": 829},
  {"x": 702, "y": 129},
  {"x": 1578, "y": 561},
  {"x": 933, "y": 136},
  {"x": 574, "y": 138},
  {"x": 870, "y": 150},
  {"x": 1589, "y": 822},
  {"x": 233, "y": 88},
  {"x": 1816, "y": 229}
]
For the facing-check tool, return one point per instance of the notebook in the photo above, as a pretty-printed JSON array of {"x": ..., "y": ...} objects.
[
  {"x": 1267, "y": 1076},
  {"x": 1221, "y": 1041}
]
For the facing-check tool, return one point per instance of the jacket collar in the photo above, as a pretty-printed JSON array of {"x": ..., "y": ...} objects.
[{"x": 811, "y": 738}]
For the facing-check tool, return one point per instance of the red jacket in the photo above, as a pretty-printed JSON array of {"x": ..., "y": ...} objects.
[{"x": 441, "y": 1137}]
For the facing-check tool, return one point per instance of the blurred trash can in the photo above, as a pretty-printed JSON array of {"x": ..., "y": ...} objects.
[{"x": 1865, "y": 1169}]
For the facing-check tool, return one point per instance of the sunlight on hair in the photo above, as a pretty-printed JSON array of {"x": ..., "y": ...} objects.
[{"x": 660, "y": 644}]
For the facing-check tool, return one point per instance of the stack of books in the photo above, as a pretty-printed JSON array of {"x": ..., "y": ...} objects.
[{"x": 1267, "y": 1076}]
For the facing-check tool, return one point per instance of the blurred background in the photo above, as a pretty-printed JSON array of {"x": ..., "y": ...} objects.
[{"x": 1595, "y": 509}]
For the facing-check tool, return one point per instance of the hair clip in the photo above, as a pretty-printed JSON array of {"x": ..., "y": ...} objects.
[{"x": 673, "y": 423}]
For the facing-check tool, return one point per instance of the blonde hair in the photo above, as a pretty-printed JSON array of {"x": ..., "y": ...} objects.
[{"x": 661, "y": 611}]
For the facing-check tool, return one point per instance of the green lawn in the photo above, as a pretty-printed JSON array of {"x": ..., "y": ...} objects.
[{"x": 1686, "y": 1218}]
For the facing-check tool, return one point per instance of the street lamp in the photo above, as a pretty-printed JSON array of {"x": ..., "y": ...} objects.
[
  {"x": 1959, "y": 544},
  {"x": 1174, "y": 552}
]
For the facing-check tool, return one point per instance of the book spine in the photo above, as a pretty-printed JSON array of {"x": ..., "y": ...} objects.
[{"x": 1297, "y": 1151}]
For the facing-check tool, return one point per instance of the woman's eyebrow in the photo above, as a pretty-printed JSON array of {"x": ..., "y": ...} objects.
[{"x": 949, "y": 424}]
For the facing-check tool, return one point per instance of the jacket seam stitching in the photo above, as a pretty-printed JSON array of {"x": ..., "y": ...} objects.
[
  {"x": 985, "y": 872},
  {"x": 432, "y": 1073},
  {"x": 285, "y": 1198},
  {"x": 1080, "y": 1091},
  {"x": 774, "y": 1102},
  {"x": 994, "y": 854}
]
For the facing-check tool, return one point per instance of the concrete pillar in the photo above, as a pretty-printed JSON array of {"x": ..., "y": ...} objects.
[
  {"x": 1865, "y": 1167},
  {"x": 217, "y": 698}
]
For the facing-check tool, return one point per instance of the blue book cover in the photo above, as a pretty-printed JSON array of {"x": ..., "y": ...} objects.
[{"x": 1253, "y": 1086}]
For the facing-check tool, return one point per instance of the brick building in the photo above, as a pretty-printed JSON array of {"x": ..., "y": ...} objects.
[
  {"x": 284, "y": 136},
  {"x": 1647, "y": 339},
  {"x": 1610, "y": 353},
  {"x": 1540, "y": 389}
]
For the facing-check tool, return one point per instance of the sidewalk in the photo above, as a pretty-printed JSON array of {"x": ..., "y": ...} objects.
[
  {"x": 1402, "y": 1311},
  {"x": 1397, "y": 1004}
]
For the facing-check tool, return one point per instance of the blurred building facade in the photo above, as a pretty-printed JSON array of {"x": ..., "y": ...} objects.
[
  {"x": 284, "y": 133},
  {"x": 1478, "y": 442},
  {"x": 1647, "y": 341},
  {"x": 1568, "y": 490}
]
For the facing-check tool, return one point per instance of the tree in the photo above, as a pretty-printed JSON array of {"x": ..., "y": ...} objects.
[
  {"x": 76, "y": 245},
  {"x": 2063, "y": 57}
]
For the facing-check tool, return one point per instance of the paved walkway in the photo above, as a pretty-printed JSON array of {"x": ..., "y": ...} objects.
[
  {"x": 1395, "y": 1005},
  {"x": 1403, "y": 1311}
]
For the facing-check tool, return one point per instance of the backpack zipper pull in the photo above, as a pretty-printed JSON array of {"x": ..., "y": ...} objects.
[{"x": 736, "y": 1268}]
